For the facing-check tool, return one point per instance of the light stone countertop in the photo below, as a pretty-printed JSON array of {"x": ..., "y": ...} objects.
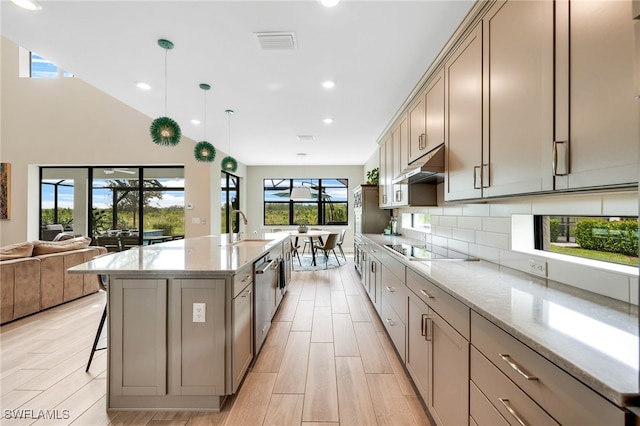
[
  {"x": 594, "y": 338},
  {"x": 189, "y": 257}
]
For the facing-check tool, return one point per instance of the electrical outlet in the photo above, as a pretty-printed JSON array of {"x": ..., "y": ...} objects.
[
  {"x": 538, "y": 267},
  {"x": 199, "y": 312}
]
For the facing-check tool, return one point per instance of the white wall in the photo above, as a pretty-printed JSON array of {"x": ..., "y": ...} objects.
[
  {"x": 254, "y": 185},
  {"x": 65, "y": 121}
]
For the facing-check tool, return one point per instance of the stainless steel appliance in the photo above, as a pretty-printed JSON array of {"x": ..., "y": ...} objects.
[
  {"x": 265, "y": 276},
  {"x": 426, "y": 252},
  {"x": 368, "y": 219}
]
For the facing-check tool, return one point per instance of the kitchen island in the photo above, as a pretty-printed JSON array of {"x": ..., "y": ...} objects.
[{"x": 180, "y": 320}]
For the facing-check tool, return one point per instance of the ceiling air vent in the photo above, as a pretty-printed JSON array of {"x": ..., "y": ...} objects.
[
  {"x": 276, "y": 40},
  {"x": 305, "y": 137}
]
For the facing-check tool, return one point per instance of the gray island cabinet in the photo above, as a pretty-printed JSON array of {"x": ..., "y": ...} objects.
[{"x": 180, "y": 333}]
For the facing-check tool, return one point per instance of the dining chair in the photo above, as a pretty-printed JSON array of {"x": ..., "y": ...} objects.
[
  {"x": 295, "y": 253},
  {"x": 329, "y": 245},
  {"x": 111, "y": 243},
  {"x": 340, "y": 241},
  {"x": 129, "y": 242},
  {"x": 309, "y": 240}
]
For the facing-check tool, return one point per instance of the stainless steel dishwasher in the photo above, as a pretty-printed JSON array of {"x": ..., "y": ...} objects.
[{"x": 265, "y": 287}]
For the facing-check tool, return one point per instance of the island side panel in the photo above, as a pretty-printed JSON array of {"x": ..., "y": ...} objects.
[{"x": 138, "y": 340}]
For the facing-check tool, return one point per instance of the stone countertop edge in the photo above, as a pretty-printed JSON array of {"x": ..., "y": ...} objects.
[
  {"x": 186, "y": 258},
  {"x": 486, "y": 288}
]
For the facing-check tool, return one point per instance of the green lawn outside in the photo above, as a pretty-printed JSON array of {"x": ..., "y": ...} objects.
[{"x": 597, "y": 255}]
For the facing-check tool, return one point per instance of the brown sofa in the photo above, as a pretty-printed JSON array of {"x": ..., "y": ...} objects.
[{"x": 33, "y": 275}]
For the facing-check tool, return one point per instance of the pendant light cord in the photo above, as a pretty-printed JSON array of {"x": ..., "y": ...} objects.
[
  {"x": 166, "y": 52},
  {"x": 205, "y": 114}
]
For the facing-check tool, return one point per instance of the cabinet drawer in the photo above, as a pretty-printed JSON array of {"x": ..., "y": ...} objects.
[
  {"x": 561, "y": 395},
  {"x": 449, "y": 308},
  {"x": 394, "y": 265},
  {"x": 395, "y": 327},
  {"x": 241, "y": 279},
  {"x": 481, "y": 411},
  {"x": 513, "y": 404},
  {"x": 395, "y": 293}
]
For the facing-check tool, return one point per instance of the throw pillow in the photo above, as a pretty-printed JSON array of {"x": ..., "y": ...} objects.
[
  {"x": 49, "y": 247},
  {"x": 16, "y": 251}
]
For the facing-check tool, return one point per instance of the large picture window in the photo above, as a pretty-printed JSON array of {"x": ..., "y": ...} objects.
[{"x": 327, "y": 204}]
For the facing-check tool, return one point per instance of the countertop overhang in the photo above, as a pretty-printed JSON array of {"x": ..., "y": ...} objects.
[{"x": 189, "y": 257}]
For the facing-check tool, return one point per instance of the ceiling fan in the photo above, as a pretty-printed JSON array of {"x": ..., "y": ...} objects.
[{"x": 111, "y": 171}]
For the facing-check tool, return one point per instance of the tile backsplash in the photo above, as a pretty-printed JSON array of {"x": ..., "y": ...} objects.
[{"x": 485, "y": 231}]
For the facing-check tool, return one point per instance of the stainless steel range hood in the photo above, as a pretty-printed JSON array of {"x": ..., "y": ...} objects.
[{"x": 427, "y": 169}]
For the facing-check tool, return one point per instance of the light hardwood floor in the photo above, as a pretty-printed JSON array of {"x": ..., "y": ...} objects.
[{"x": 326, "y": 361}]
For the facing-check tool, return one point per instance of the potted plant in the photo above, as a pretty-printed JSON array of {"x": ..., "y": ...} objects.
[
  {"x": 373, "y": 176},
  {"x": 303, "y": 225}
]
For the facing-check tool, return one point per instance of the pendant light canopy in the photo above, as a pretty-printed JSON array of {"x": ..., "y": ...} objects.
[
  {"x": 204, "y": 151},
  {"x": 229, "y": 164},
  {"x": 164, "y": 130}
]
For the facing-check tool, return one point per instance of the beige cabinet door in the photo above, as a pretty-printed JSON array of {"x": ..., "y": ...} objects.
[
  {"x": 137, "y": 338},
  {"x": 418, "y": 348},
  {"x": 596, "y": 113},
  {"x": 448, "y": 400},
  {"x": 434, "y": 113},
  {"x": 518, "y": 102},
  {"x": 463, "y": 103},
  {"x": 416, "y": 115},
  {"x": 242, "y": 317},
  {"x": 386, "y": 165},
  {"x": 399, "y": 140}
]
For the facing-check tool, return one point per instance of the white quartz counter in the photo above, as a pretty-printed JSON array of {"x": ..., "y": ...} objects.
[
  {"x": 592, "y": 337},
  {"x": 190, "y": 257}
]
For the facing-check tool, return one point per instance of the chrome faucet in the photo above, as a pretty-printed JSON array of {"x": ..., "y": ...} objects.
[{"x": 244, "y": 220}]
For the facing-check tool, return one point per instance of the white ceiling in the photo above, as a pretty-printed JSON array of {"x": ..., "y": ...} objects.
[{"x": 375, "y": 51}]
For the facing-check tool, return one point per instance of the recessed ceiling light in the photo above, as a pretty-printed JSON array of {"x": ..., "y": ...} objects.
[
  {"x": 195, "y": 121},
  {"x": 329, "y": 84},
  {"x": 143, "y": 86},
  {"x": 328, "y": 120},
  {"x": 305, "y": 137},
  {"x": 27, "y": 4},
  {"x": 301, "y": 154},
  {"x": 329, "y": 3}
]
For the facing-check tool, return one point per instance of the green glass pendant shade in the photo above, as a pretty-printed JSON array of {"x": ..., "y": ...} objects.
[
  {"x": 165, "y": 131},
  {"x": 229, "y": 164},
  {"x": 204, "y": 152}
]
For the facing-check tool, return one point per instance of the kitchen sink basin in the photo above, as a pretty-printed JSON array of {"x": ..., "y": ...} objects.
[{"x": 248, "y": 243}]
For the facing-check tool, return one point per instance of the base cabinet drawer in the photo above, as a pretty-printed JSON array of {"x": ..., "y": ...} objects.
[
  {"x": 566, "y": 399},
  {"x": 395, "y": 327},
  {"x": 513, "y": 405},
  {"x": 481, "y": 411}
]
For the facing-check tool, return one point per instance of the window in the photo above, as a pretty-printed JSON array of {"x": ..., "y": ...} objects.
[
  {"x": 328, "y": 204},
  {"x": 96, "y": 200},
  {"x": 608, "y": 239},
  {"x": 33, "y": 65},
  {"x": 229, "y": 201}
]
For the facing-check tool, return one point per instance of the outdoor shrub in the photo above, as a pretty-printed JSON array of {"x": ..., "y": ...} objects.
[
  {"x": 554, "y": 230},
  {"x": 615, "y": 236}
]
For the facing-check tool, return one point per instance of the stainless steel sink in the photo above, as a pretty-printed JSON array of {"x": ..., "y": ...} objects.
[{"x": 247, "y": 243}]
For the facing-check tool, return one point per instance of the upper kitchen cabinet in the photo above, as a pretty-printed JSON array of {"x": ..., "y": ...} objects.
[
  {"x": 399, "y": 154},
  {"x": 385, "y": 181},
  {"x": 518, "y": 106},
  {"x": 597, "y": 129},
  {"x": 463, "y": 102},
  {"x": 426, "y": 119},
  {"x": 499, "y": 98}
]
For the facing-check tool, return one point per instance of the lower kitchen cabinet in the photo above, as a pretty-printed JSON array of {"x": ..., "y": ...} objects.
[
  {"x": 242, "y": 312},
  {"x": 418, "y": 346},
  {"x": 373, "y": 281}
]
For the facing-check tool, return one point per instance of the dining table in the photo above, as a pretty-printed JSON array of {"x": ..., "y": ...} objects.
[{"x": 311, "y": 234}]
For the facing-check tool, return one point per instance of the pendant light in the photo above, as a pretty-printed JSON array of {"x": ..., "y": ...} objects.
[
  {"x": 164, "y": 130},
  {"x": 204, "y": 151},
  {"x": 229, "y": 164}
]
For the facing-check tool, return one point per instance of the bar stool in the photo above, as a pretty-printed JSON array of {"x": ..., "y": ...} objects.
[{"x": 102, "y": 282}]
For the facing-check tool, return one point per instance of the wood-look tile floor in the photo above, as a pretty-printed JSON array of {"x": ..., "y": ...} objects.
[{"x": 326, "y": 361}]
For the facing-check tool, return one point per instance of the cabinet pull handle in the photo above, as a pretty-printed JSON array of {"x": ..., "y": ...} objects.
[
  {"x": 390, "y": 322},
  {"x": 560, "y": 162},
  {"x": 247, "y": 277},
  {"x": 246, "y": 293},
  {"x": 373, "y": 267},
  {"x": 425, "y": 294},
  {"x": 384, "y": 199},
  {"x": 428, "y": 327},
  {"x": 475, "y": 178},
  {"x": 511, "y": 411},
  {"x": 423, "y": 325},
  {"x": 422, "y": 141},
  {"x": 390, "y": 289},
  {"x": 486, "y": 179},
  {"x": 520, "y": 370}
]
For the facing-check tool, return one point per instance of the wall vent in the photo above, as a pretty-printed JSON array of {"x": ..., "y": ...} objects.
[{"x": 276, "y": 40}]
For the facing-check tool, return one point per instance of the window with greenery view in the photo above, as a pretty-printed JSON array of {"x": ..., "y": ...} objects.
[
  {"x": 608, "y": 239},
  {"x": 328, "y": 204},
  {"x": 229, "y": 201}
]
